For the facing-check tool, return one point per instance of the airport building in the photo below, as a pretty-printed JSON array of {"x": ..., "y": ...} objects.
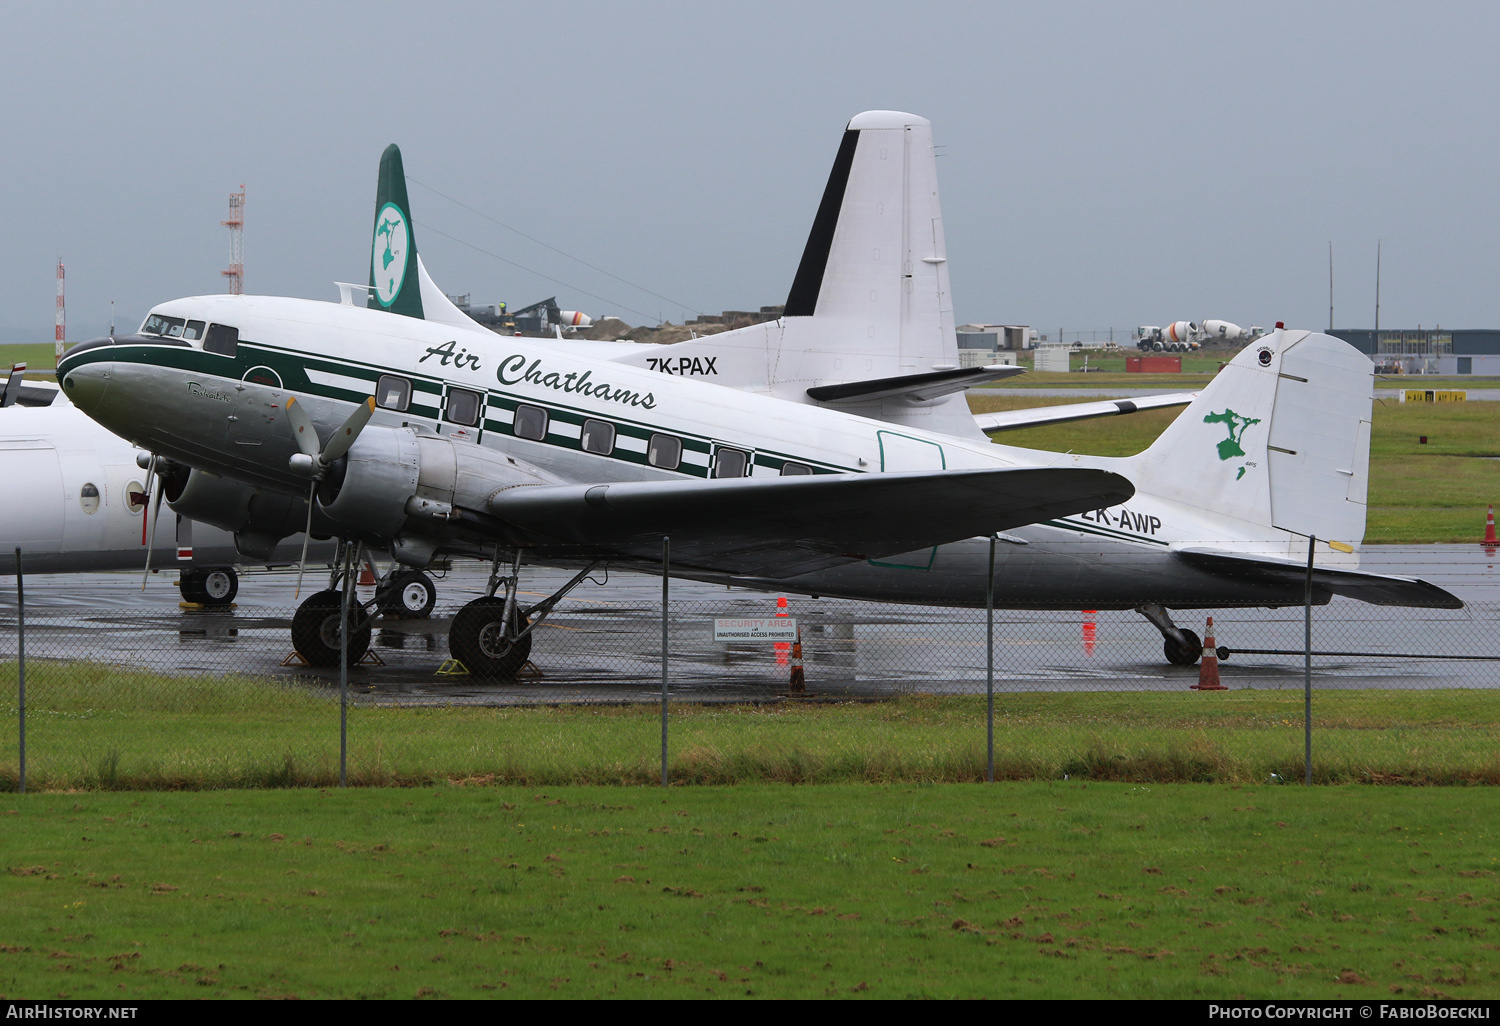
[{"x": 1428, "y": 351}]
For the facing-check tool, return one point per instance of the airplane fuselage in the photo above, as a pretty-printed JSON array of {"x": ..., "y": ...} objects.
[{"x": 535, "y": 402}]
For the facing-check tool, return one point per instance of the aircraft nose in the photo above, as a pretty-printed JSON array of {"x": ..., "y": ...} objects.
[{"x": 86, "y": 386}]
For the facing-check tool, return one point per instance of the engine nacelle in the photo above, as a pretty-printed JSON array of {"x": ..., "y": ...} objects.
[
  {"x": 258, "y": 519},
  {"x": 574, "y": 319},
  {"x": 401, "y": 486}
]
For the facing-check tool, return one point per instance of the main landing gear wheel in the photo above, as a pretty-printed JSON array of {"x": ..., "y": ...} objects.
[
  {"x": 486, "y": 645},
  {"x": 408, "y": 595},
  {"x": 315, "y": 630},
  {"x": 216, "y": 587},
  {"x": 1180, "y": 655}
]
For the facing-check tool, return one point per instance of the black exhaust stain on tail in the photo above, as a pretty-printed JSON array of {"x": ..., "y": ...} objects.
[{"x": 803, "y": 299}]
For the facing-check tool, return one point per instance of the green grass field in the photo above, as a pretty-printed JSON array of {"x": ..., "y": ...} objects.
[
  {"x": 1432, "y": 492},
  {"x": 1040, "y": 890},
  {"x": 38, "y": 357},
  {"x": 90, "y": 727}
]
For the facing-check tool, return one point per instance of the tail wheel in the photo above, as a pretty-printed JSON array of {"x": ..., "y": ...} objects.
[
  {"x": 485, "y": 644},
  {"x": 1179, "y": 654},
  {"x": 408, "y": 595},
  {"x": 315, "y": 630}
]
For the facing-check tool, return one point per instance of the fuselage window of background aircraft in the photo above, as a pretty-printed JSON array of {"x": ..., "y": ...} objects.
[
  {"x": 193, "y": 331},
  {"x": 790, "y": 469},
  {"x": 665, "y": 451},
  {"x": 392, "y": 393},
  {"x": 731, "y": 462},
  {"x": 156, "y": 324},
  {"x": 221, "y": 339},
  {"x": 463, "y": 407},
  {"x": 530, "y": 422},
  {"x": 598, "y": 437}
]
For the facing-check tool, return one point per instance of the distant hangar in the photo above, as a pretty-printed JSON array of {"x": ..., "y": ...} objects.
[{"x": 1428, "y": 351}]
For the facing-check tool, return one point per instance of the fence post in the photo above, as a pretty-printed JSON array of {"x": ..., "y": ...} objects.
[
  {"x": 21, "y": 665},
  {"x": 1307, "y": 666},
  {"x": 348, "y": 568},
  {"x": 666, "y": 565},
  {"x": 989, "y": 668}
]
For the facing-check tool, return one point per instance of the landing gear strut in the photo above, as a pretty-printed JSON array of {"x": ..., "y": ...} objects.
[
  {"x": 492, "y": 636},
  {"x": 1182, "y": 647}
]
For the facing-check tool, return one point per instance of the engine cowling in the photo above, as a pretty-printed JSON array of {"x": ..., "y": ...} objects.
[
  {"x": 401, "y": 485},
  {"x": 258, "y": 519}
]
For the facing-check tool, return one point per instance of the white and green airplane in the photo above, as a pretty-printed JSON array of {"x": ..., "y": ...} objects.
[{"x": 831, "y": 452}]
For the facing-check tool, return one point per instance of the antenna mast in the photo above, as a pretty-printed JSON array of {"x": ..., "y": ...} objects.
[
  {"x": 62, "y": 331},
  {"x": 235, "y": 272},
  {"x": 1330, "y": 287},
  {"x": 1377, "y": 288}
]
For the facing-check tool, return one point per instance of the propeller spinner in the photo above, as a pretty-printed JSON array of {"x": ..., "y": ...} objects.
[{"x": 315, "y": 459}]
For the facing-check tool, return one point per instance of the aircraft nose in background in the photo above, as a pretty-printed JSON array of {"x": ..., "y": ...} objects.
[{"x": 86, "y": 386}]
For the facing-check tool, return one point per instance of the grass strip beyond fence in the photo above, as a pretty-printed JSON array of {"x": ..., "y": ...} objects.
[{"x": 98, "y": 727}]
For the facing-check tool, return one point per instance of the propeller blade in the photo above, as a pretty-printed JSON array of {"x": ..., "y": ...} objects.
[
  {"x": 306, "y": 536},
  {"x": 12, "y": 390},
  {"x": 148, "y": 519},
  {"x": 302, "y": 429},
  {"x": 345, "y": 436}
]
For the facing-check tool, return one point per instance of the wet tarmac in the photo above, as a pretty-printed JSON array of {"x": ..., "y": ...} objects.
[{"x": 603, "y": 644}]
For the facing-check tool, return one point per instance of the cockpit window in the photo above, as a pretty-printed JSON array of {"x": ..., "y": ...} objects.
[
  {"x": 156, "y": 324},
  {"x": 194, "y": 330},
  {"x": 221, "y": 339}
]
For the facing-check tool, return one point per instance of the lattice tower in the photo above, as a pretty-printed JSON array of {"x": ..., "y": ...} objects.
[{"x": 235, "y": 272}]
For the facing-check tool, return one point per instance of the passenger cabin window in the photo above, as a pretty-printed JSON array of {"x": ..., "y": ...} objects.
[
  {"x": 790, "y": 469},
  {"x": 530, "y": 422},
  {"x": 194, "y": 330},
  {"x": 731, "y": 462},
  {"x": 664, "y": 451},
  {"x": 156, "y": 324},
  {"x": 463, "y": 407},
  {"x": 599, "y": 437},
  {"x": 221, "y": 339},
  {"x": 392, "y": 393}
]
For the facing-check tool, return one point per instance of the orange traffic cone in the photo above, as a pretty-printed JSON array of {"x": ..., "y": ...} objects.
[
  {"x": 799, "y": 680},
  {"x": 1208, "y": 669},
  {"x": 782, "y": 648},
  {"x": 1489, "y": 527},
  {"x": 366, "y": 578}
]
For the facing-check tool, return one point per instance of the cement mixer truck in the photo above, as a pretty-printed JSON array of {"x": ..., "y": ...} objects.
[{"x": 1185, "y": 336}]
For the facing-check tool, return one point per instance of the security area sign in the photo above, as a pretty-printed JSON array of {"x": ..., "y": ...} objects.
[{"x": 777, "y": 628}]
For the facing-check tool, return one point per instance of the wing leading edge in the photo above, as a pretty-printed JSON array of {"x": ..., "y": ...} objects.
[{"x": 777, "y": 527}]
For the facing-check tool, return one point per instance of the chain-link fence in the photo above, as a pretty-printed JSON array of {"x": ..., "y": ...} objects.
[{"x": 131, "y": 690}]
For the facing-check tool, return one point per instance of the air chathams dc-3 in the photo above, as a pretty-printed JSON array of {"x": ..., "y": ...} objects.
[{"x": 830, "y": 452}]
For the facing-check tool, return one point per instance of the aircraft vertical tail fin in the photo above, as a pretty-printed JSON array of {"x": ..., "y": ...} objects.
[
  {"x": 1279, "y": 438},
  {"x": 870, "y": 299},
  {"x": 394, "y": 283},
  {"x": 399, "y": 281}
]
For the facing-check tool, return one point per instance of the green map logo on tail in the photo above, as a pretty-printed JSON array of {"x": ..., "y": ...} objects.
[
  {"x": 393, "y": 247},
  {"x": 388, "y": 260},
  {"x": 1235, "y": 424}
]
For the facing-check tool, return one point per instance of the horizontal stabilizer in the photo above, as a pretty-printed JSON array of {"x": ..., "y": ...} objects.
[
  {"x": 778, "y": 527},
  {"x": 917, "y": 387},
  {"x": 1376, "y": 589},
  {"x": 1012, "y": 420}
]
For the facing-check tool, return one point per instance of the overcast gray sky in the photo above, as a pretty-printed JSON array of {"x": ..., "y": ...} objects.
[{"x": 1103, "y": 164}]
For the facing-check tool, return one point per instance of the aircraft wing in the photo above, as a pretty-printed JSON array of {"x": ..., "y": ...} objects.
[
  {"x": 1376, "y": 589},
  {"x": 777, "y": 527},
  {"x": 1011, "y": 420},
  {"x": 919, "y": 387}
]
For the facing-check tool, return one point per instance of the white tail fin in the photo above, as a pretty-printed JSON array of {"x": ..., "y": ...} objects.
[
  {"x": 1279, "y": 438},
  {"x": 870, "y": 298}
]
